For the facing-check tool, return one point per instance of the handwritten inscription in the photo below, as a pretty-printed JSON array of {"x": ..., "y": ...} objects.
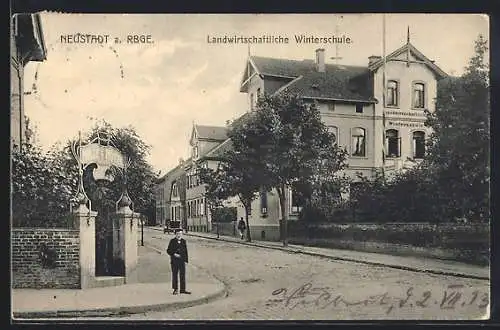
[{"x": 451, "y": 297}]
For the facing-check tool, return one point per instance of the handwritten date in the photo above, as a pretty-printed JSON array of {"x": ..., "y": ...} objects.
[{"x": 452, "y": 297}]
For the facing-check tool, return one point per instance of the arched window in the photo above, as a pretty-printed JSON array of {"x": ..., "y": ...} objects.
[
  {"x": 393, "y": 143},
  {"x": 335, "y": 131},
  {"x": 358, "y": 142},
  {"x": 392, "y": 93},
  {"x": 195, "y": 151},
  {"x": 175, "y": 191},
  {"x": 418, "y": 95},
  {"x": 418, "y": 144}
]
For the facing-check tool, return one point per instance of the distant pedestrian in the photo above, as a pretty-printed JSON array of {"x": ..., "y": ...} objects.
[
  {"x": 177, "y": 250},
  {"x": 242, "y": 227}
]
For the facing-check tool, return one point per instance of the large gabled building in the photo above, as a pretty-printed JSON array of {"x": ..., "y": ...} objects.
[{"x": 380, "y": 122}]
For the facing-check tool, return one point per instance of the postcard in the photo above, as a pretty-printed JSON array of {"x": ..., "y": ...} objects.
[{"x": 250, "y": 167}]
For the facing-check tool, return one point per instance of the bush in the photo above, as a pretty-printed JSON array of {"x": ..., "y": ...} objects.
[
  {"x": 41, "y": 189},
  {"x": 224, "y": 214}
]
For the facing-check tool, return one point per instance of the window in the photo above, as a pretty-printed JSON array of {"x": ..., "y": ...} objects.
[
  {"x": 175, "y": 191},
  {"x": 418, "y": 145},
  {"x": 263, "y": 202},
  {"x": 251, "y": 101},
  {"x": 392, "y": 93},
  {"x": 419, "y": 95},
  {"x": 392, "y": 143},
  {"x": 331, "y": 106},
  {"x": 258, "y": 94},
  {"x": 358, "y": 142},
  {"x": 359, "y": 108},
  {"x": 195, "y": 151},
  {"x": 294, "y": 202},
  {"x": 335, "y": 131}
]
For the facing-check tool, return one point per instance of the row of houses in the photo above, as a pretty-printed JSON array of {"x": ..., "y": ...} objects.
[{"x": 379, "y": 121}]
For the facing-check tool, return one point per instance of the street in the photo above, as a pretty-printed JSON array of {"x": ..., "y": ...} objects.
[{"x": 269, "y": 284}]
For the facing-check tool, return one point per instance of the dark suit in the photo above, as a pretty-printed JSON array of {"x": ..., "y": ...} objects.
[{"x": 178, "y": 264}]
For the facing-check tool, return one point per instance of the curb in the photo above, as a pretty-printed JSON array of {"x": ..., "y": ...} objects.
[
  {"x": 126, "y": 310},
  {"x": 371, "y": 263},
  {"x": 121, "y": 310}
]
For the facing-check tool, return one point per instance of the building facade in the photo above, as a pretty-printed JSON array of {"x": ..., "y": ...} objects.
[
  {"x": 26, "y": 44},
  {"x": 170, "y": 196},
  {"x": 204, "y": 139},
  {"x": 380, "y": 122}
]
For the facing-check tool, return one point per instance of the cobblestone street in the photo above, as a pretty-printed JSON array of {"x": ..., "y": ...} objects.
[{"x": 270, "y": 284}]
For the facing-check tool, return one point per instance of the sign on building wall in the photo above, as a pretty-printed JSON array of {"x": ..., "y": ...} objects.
[{"x": 406, "y": 124}]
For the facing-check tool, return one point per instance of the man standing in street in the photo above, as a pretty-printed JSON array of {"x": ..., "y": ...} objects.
[{"x": 177, "y": 250}]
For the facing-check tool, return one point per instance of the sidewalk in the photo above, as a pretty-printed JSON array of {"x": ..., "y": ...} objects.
[
  {"x": 415, "y": 264},
  {"x": 154, "y": 293}
]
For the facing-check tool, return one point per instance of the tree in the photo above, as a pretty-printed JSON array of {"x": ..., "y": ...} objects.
[
  {"x": 215, "y": 193},
  {"x": 41, "y": 189},
  {"x": 286, "y": 144},
  {"x": 236, "y": 175},
  {"x": 458, "y": 157}
]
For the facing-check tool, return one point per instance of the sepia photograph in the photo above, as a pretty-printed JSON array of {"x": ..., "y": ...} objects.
[{"x": 171, "y": 167}]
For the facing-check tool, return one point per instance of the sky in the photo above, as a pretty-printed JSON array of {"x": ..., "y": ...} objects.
[{"x": 163, "y": 87}]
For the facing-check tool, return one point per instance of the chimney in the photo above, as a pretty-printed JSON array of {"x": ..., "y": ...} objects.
[
  {"x": 320, "y": 60},
  {"x": 181, "y": 161},
  {"x": 372, "y": 59}
]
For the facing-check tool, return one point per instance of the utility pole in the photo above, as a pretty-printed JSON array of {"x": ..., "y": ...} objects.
[
  {"x": 337, "y": 57},
  {"x": 142, "y": 230},
  {"x": 383, "y": 97}
]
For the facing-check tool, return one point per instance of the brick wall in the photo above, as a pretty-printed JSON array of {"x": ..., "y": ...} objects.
[{"x": 27, "y": 268}]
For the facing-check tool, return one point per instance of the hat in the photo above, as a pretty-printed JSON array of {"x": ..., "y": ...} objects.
[{"x": 176, "y": 230}]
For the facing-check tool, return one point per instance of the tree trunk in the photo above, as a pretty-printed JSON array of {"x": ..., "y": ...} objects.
[
  {"x": 247, "y": 207},
  {"x": 284, "y": 213}
]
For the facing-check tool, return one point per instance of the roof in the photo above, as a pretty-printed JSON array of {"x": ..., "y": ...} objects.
[
  {"x": 339, "y": 82},
  {"x": 409, "y": 47},
  {"x": 219, "y": 150},
  {"x": 211, "y": 132},
  {"x": 28, "y": 31},
  {"x": 173, "y": 171}
]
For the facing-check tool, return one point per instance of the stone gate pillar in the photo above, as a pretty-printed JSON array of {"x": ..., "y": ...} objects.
[
  {"x": 125, "y": 238},
  {"x": 85, "y": 223}
]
